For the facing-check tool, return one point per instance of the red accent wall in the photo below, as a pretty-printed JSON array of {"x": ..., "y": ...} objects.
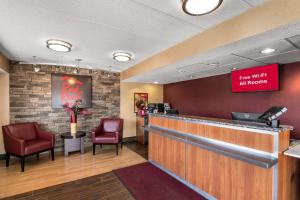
[{"x": 212, "y": 97}]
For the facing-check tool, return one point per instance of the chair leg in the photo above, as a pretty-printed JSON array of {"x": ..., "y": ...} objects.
[
  {"x": 101, "y": 146},
  {"x": 37, "y": 155},
  {"x": 22, "y": 163},
  {"x": 121, "y": 144},
  {"x": 52, "y": 153},
  {"x": 7, "y": 157},
  {"x": 94, "y": 148},
  {"x": 117, "y": 149}
]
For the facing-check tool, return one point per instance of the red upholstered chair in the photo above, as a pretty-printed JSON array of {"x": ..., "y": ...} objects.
[
  {"x": 109, "y": 131},
  {"x": 25, "y": 139}
]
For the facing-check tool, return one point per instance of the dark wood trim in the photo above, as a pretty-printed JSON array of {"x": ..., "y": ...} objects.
[
  {"x": 2, "y": 156},
  {"x": 130, "y": 139},
  {"x": 100, "y": 144}
]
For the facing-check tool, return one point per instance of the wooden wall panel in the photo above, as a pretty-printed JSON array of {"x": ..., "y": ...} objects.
[
  {"x": 227, "y": 178},
  {"x": 177, "y": 125},
  {"x": 288, "y": 177},
  {"x": 259, "y": 141},
  {"x": 284, "y": 140},
  {"x": 155, "y": 121},
  {"x": 168, "y": 153},
  {"x": 140, "y": 133}
]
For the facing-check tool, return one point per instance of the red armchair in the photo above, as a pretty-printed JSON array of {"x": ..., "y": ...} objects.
[
  {"x": 109, "y": 131},
  {"x": 25, "y": 139}
]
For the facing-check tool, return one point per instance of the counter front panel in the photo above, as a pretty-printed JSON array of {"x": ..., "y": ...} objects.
[{"x": 223, "y": 159}]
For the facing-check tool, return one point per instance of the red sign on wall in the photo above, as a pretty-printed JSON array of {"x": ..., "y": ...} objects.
[{"x": 263, "y": 78}]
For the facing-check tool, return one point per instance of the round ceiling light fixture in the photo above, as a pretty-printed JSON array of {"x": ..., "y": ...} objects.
[
  {"x": 122, "y": 56},
  {"x": 200, "y": 7},
  {"x": 267, "y": 51},
  {"x": 58, "y": 45}
]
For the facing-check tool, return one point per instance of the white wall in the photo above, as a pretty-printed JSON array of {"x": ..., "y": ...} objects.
[
  {"x": 4, "y": 105},
  {"x": 155, "y": 95}
]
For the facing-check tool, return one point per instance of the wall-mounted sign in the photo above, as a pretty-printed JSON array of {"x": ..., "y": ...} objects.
[
  {"x": 140, "y": 101},
  {"x": 263, "y": 78},
  {"x": 67, "y": 88}
]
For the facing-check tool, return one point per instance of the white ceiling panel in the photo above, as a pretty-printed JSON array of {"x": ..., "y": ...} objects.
[
  {"x": 249, "y": 56},
  {"x": 289, "y": 57},
  {"x": 255, "y": 2},
  {"x": 281, "y": 46},
  {"x": 95, "y": 29},
  {"x": 227, "y": 10},
  {"x": 123, "y": 15},
  {"x": 243, "y": 65},
  {"x": 295, "y": 40}
]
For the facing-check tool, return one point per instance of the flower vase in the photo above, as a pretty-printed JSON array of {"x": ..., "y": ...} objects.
[{"x": 73, "y": 125}]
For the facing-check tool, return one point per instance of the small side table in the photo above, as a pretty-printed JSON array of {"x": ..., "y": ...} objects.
[{"x": 75, "y": 143}]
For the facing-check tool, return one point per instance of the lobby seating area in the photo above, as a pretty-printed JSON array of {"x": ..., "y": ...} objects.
[
  {"x": 109, "y": 131},
  {"x": 26, "y": 139},
  {"x": 150, "y": 100}
]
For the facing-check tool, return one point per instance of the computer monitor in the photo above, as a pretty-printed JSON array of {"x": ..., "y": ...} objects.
[
  {"x": 250, "y": 117},
  {"x": 158, "y": 106},
  {"x": 172, "y": 112},
  {"x": 273, "y": 113}
]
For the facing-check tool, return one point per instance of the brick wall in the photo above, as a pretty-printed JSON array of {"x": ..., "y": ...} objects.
[{"x": 30, "y": 99}]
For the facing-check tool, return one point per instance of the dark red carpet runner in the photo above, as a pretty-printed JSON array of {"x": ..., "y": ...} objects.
[{"x": 147, "y": 182}]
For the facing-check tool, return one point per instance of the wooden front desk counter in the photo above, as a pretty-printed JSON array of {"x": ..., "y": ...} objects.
[{"x": 224, "y": 159}]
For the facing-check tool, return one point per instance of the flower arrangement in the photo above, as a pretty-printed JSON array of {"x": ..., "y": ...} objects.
[
  {"x": 140, "y": 104},
  {"x": 75, "y": 110}
]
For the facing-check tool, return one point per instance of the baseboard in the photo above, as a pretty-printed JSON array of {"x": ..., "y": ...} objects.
[
  {"x": 2, "y": 156},
  {"x": 130, "y": 139}
]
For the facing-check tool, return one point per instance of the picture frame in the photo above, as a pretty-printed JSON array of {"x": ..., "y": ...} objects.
[
  {"x": 67, "y": 88},
  {"x": 140, "y": 99}
]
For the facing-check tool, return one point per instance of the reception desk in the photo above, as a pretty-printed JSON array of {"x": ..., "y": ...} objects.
[{"x": 224, "y": 159}]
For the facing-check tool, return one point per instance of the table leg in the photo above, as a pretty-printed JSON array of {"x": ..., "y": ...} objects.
[
  {"x": 82, "y": 145},
  {"x": 66, "y": 147}
]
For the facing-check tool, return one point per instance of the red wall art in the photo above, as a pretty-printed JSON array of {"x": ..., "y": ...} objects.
[{"x": 67, "y": 88}]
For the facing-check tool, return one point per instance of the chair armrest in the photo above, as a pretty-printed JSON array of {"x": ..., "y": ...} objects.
[
  {"x": 93, "y": 134},
  {"x": 117, "y": 135},
  {"x": 14, "y": 145},
  {"x": 45, "y": 135},
  {"x": 97, "y": 131},
  {"x": 120, "y": 131}
]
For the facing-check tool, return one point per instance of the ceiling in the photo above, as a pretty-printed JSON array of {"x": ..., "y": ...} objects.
[
  {"x": 98, "y": 28},
  {"x": 242, "y": 54}
]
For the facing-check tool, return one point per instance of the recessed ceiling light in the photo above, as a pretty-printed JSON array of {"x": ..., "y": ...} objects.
[
  {"x": 182, "y": 71},
  {"x": 59, "y": 45},
  {"x": 122, "y": 56},
  {"x": 268, "y": 51},
  {"x": 234, "y": 68},
  {"x": 156, "y": 82},
  {"x": 36, "y": 68},
  {"x": 213, "y": 64},
  {"x": 192, "y": 76},
  {"x": 76, "y": 70},
  {"x": 200, "y": 7}
]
